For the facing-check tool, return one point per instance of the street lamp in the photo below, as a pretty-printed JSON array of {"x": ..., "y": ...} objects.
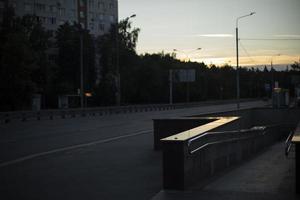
[
  {"x": 237, "y": 59},
  {"x": 118, "y": 77},
  {"x": 81, "y": 70},
  {"x": 272, "y": 69},
  {"x": 187, "y": 53}
]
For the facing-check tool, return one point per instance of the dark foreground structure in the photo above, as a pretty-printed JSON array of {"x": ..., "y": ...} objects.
[{"x": 198, "y": 148}]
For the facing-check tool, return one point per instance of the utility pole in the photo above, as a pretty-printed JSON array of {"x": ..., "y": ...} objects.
[
  {"x": 237, "y": 69},
  {"x": 237, "y": 59},
  {"x": 171, "y": 86},
  {"x": 118, "y": 81},
  {"x": 81, "y": 71}
]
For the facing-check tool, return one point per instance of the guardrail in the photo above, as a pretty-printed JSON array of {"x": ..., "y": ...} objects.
[{"x": 7, "y": 117}]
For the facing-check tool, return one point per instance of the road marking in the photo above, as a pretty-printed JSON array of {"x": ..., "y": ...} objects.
[{"x": 32, "y": 156}]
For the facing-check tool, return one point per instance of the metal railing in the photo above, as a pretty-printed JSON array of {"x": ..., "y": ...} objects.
[
  {"x": 6, "y": 117},
  {"x": 288, "y": 143},
  {"x": 212, "y": 138}
]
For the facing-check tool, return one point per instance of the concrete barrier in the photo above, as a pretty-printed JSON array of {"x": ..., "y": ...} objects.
[
  {"x": 202, "y": 153},
  {"x": 186, "y": 164},
  {"x": 166, "y": 127}
]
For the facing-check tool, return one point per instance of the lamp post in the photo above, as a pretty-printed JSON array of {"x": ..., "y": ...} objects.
[
  {"x": 81, "y": 71},
  {"x": 272, "y": 69},
  {"x": 237, "y": 59},
  {"x": 118, "y": 77}
]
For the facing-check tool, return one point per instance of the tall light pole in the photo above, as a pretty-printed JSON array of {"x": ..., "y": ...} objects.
[
  {"x": 272, "y": 69},
  {"x": 118, "y": 77},
  {"x": 237, "y": 59},
  {"x": 81, "y": 71}
]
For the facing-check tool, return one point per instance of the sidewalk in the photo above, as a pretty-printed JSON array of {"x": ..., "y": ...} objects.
[{"x": 269, "y": 176}]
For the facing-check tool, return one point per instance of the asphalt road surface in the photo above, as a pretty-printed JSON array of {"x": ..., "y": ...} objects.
[{"x": 103, "y": 157}]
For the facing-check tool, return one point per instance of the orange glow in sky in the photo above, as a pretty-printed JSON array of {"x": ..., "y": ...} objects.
[{"x": 210, "y": 25}]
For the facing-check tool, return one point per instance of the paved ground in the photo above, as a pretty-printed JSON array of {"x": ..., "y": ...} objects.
[
  {"x": 107, "y": 157},
  {"x": 269, "y": 176}
]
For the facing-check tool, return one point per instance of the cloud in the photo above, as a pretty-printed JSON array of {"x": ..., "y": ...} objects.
[
  {"x": 215, "y": 35},
  {"x": 288, "y": 36}
]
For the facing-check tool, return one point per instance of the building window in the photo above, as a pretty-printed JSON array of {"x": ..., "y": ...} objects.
[
  {"x": 62, "y": 11},
  {"x": 82, "y": 15},
  {"x": 51, "y": 20},
  {"x": 91, "y": 26},
  {"x": 91, "y": 4},
  {"x": 111, "y": 5},
  {"x": 28, "y": 7},
  {"x": 40, "y": 7},
  {"x": 101, "y": 5},
  {"x": 91, "y": 15},
  {"x": 53, "y": 9},
  {"x": 111, "y": 18},
  {"x": 82, "y": 2},
  {"x": 101, "y": 17},
  {"x": 101, "y": 27},
  {"x": 72, "y": 13}
]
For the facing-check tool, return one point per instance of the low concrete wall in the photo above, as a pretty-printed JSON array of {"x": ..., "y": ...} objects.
[
  {"x": 166, "y": 127},
  {"x": 182, "y": 169}
]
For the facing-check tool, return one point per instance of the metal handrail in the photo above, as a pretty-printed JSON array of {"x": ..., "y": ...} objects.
[
  {"x": 219, "y": 142},
  {"x": 242, "y": 136},
  {"x": 288, "y": 143}
]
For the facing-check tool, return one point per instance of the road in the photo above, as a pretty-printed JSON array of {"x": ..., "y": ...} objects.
[{"x": 103, "y": 157}]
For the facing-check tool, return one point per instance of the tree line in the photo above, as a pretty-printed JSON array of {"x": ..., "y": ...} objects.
[{"x": 35, "y": 61}]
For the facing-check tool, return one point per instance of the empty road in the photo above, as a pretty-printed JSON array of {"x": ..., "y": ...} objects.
[{"x": 103, "y": 157}]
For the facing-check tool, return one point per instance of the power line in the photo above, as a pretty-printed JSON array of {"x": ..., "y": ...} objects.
[
  {"x": 244, "y": 49},
  {"x": 271, "y": 39}
]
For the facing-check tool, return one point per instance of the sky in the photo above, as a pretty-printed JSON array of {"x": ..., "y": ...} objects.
[{"x": 186, "y": 25}]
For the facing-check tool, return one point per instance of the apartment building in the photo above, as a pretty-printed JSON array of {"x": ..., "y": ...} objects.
[{"x": 94, "y": 15}]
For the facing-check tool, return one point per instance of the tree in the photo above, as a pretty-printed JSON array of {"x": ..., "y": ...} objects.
[
  {"x": 295, "y": 66},
  {"x": 22, "y": 60},
  {"x": 68, "y": 44},
  {"x": 117, "y": 45}
]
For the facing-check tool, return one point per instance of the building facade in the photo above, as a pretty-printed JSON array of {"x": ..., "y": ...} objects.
[
  {"x": 97, "y": 16},
  {"x": 94, "y": 15}
]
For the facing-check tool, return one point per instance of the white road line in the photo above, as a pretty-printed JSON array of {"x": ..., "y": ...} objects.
[{"x": 32, "y": 156}]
